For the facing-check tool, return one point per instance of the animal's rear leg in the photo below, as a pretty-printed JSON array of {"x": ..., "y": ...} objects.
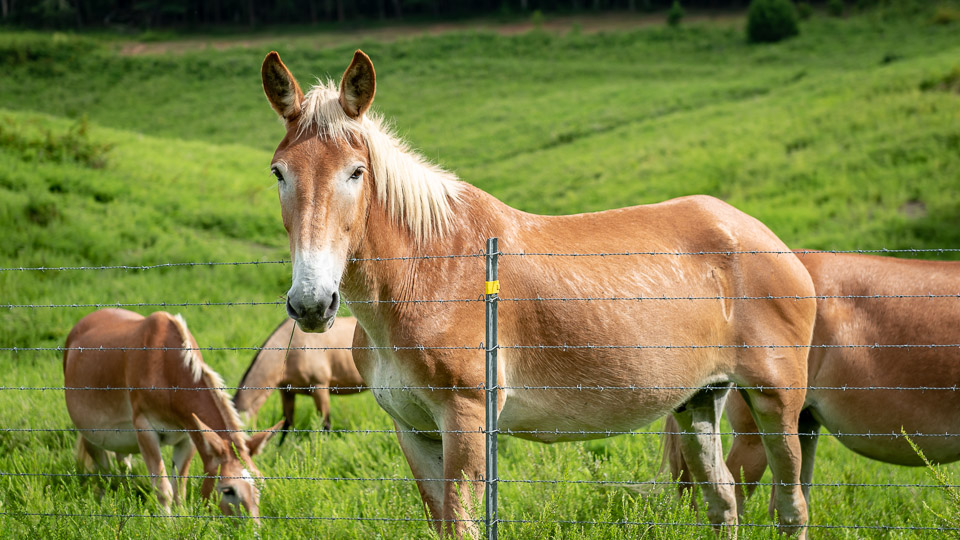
[
  {"x": 700, "y": 443},
  {"x": 747, "y": 459},
  {"x": 776, "y": 412}
]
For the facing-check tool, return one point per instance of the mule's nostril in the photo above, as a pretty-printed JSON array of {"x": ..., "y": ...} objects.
[
  {"x": 334, "y": 305},
  {"x": 291, "y": 311}
]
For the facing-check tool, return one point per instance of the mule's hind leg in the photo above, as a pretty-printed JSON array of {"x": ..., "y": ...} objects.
[
  {"x": 776, "y": 411},
  {"x": 809, "y": 430},
  {"x": 747, "y": 459},
  {"x": 699, "y": 419}
]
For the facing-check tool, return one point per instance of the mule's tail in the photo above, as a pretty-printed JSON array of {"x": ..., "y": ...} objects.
[{"x": 673, "y": 460}]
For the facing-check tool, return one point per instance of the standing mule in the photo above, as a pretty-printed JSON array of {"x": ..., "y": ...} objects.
[
  {"x": 865, "y": 300},
  {"x": 316, "y": 365},
  {"x": 165, "y": 395},
  {"x": 362, "y": 210}
]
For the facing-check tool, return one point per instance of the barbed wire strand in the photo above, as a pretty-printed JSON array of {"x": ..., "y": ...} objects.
[
  {"x": 564, "y": 347},
  {"x": 799, "y": 252},
  {"x": 480, "y": 480},
  {"x": 163, "y": 303},
  {"x": 555, "y": 432}
]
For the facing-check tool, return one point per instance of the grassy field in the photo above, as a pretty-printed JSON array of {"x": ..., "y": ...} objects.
[{"x": 845, "y": 137}]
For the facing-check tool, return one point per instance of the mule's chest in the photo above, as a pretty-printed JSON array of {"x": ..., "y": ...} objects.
[{"x": 399, "y": 391}]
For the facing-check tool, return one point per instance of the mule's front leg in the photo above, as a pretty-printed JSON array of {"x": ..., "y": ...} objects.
[
  {"x": 448, "y": 468},
  {"x": 464, "y": 463},
  {"x": 149, "y": 444},
  {"x": 424, "y": 454}
]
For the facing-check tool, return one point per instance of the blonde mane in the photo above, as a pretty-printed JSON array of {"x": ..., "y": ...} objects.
[
  {"x": 417, "y": 194},
  {"x": 202, "y": 373}
]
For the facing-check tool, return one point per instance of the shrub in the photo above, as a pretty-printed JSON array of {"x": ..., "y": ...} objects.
[
  {"x": 946, "y": 15},
  {"x": 771, "y": 20},
  {"x": 805, "y": 10},
  {"x": 835, "y": 7},
  {"x": 675, "y": 14}
]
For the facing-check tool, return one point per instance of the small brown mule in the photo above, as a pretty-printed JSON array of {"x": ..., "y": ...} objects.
[
  {"x": 137, "y": 419},
  {"x": 361, "y": 211},
  {"x": 308, "y": 369},
  {"x": 834, "y": 373}
]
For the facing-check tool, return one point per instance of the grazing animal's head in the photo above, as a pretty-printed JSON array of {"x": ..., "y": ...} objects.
[
  {"x": 334, "y": 164},
  {"x": 236, "y": 476}
]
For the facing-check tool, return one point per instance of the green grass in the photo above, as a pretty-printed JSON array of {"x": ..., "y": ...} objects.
[{"x": 845, "y": 137}]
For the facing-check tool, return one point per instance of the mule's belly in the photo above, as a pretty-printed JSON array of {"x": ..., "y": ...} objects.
[
  {"x": 555, "y": 415},
  {"x": 869, "y": 422},
  {"x": 104, "y": 418}
]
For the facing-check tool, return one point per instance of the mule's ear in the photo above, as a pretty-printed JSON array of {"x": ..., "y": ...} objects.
[
  {"x": 256, "y": 442},
  {"x": 358, "y": 85},
  {"x": 210, "y": 438},
  {"x": 281, "y": 88}
]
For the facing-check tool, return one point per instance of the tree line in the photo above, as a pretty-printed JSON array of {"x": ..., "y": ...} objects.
[{"x": 207, "y": 13}]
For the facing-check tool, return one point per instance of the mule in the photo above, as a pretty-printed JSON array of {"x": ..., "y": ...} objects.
[
  {"x": 850, "y": 313},
  {"x": 187, "y": 409},
  {"x": 362, "y": 211},
  {"x": 316, "y": 365}
]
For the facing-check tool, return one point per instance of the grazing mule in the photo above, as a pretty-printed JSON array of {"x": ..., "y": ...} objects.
[
  {"x": 362, "y": 210},
  {"x": 309, "y": 368},
  {"x": 848, "y": 313},
  {"x": 116, "y": 348}
]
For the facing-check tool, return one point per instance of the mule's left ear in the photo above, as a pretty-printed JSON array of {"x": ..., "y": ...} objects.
[
  {"x": 256, "y": 442},
  {"x": 281, "y": 88},
  {"x": 358, "y": 85},
  {"x": 211, "y": 438}
]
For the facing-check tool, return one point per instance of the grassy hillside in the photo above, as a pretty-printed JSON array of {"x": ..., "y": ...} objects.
[{"x": 846, "y": 137}]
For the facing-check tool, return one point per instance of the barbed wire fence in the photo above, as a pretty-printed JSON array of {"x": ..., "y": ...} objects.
[{"x": 490, "y": 347}]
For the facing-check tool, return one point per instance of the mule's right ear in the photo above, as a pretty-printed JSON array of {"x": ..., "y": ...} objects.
[{"x": 281, "y": 88}]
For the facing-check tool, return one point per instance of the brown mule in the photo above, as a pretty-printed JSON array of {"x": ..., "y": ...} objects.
[
  {"x": 833, "y": 401},
  {"x": 137, "y": 419},
  {"x": 361, "y": 210},
  {"x": 308, "y": 369}
]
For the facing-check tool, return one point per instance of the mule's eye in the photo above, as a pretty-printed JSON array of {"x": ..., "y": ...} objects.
[
  {"x": 276, "y": 172},
  {"x": 357, "y": 173},
  {"x": 228, "y": 492}
]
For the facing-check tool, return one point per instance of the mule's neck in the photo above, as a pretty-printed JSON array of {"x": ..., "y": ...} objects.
[
  {"x": 391, "y": 264},
  {"x": 265, "y": 371}
]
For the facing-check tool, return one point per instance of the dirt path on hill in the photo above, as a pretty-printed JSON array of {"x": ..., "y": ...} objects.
[{"x": 586, "y": 23}]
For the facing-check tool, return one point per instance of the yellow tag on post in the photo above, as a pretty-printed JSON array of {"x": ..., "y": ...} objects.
[{"x": 493, "y": 287}]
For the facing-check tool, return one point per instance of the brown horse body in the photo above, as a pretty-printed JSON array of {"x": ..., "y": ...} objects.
[
  {"x": 862, "y": 303},
  {"x": 361, "y": 211},
  {"x": 316, "y": 365},
  {"x": 135, "y": 354}
]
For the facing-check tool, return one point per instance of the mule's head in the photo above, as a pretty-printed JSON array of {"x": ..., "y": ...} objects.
[
  {"x": 236, "y": 487},
  {"x": 323, "y": 175}
]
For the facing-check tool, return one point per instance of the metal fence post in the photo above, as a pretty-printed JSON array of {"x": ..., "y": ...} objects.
[{"x": 492, "y": 289}]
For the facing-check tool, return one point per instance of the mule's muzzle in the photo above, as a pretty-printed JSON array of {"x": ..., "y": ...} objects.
[{"x": 318, "y": 317}]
